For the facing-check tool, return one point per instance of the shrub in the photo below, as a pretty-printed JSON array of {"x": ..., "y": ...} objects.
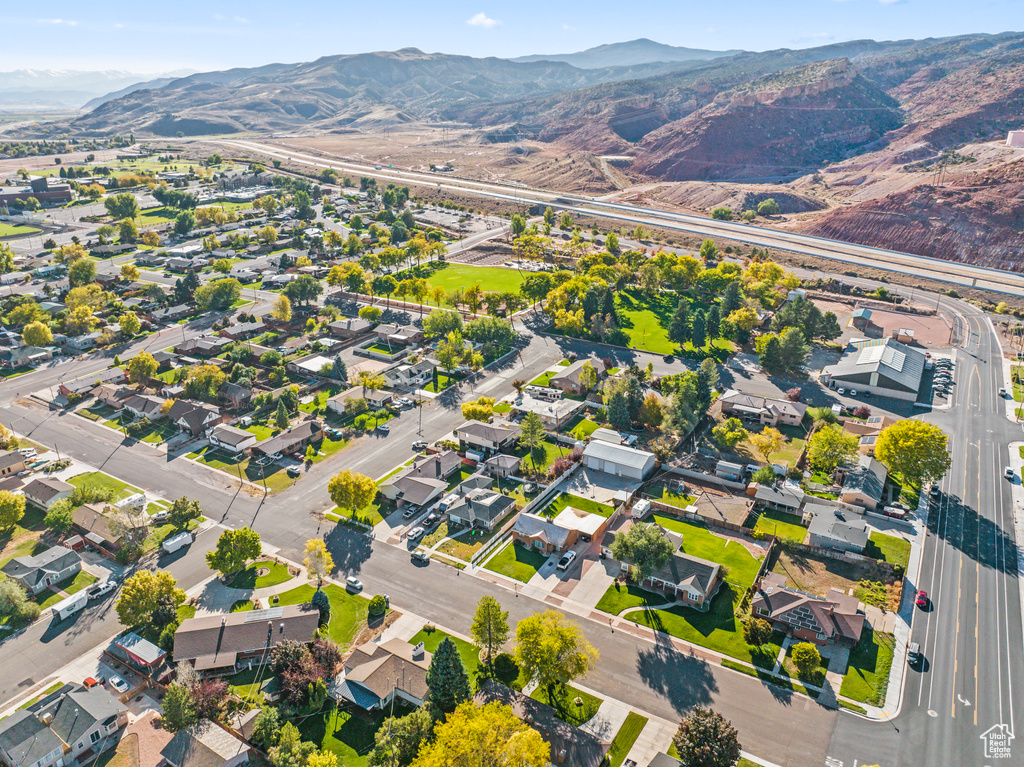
[
  {"x": 794, "y": 394},
  {"x": 862, "y": 412},
  {"x": 378, "y": 605}
]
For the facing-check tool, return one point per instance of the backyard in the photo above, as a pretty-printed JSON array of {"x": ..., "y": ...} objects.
[
  {"x": 467, "y": 544},
  {"x": 699, "y": 541},
  {"x": 346, "y": 734},
  {"x": 889, "y": 548},
  {"x": 583, "y": 504},
  {"x": 663, "y": 492},
  {"x": 781, "y": 524},
  {"x": 542, "y": 457},
  {"x": 517, "y": 562}
]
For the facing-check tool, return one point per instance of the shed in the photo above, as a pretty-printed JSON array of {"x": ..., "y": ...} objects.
[
  {"x": 730, "y": 471},
  {"x": 618, "y": 460}
]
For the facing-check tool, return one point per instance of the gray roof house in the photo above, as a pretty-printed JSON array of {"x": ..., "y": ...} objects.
[
  {"x": 487, "y": 438},
  {"x": 46, "y": 491},
  {"x": 865, "y": 483},
  {"x": 881, "y": 366},
  {"x": 762, "y": 409},
  {"x": 480, "y": 507},
  {"x": 42, "y": 570},
  {"x": 205, "y": 744},
  {"x": 836, "y": 529},
  {"x": 423, "y": 482},
  {"x": 568, "y": 379},
  {"x": 832, "y": 620},
  {"x": 502, "y": 465},
  {"x": 374, "y": 674}
]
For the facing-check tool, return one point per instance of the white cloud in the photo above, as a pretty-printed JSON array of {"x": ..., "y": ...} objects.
[
  {"x": 240, "y": 19},
  {"x": 567, "y": 28},
  {"x": 64, "y": 22},
  {"x": 483, "y": 20}
]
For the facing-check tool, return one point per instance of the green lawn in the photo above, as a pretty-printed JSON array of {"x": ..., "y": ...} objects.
[
  {"x": 700, "y": 542},
  {"x": 516, "y": 562},
  {"x": 662, "y": 492},
  {"x": 275, "y": 477},
  {"x": 262, "y": 431},
  {"x": 625, "y": 596},
  {"x": 347, "y": 735},
  {"x": 867, "y": 677},
  {"x": 10, "y": 230},
  {"x": 467, "y": 652},
  {"x": 551, "y": 452},
  {"x": 348, "y": 611},
  {"x": 158, "y": 533},
  {"x": 503, "y": 407},
  {"x": 584, "y": 429},
  {"x": 889, "y": 548},
  {"x": 1016, "y": 374},
  {"x": 469, "y": 543},
  {"x": 79, "y": 582},
  {"x": 490, "y": 278},
  {"x": 583, "y": 504},
  {"x": 625, "y": 738},
  {"x": 443, "y": 382},
  {"x": 544, "y": 378},
  {"x": 562, "y": 698},
  {"x": 384, "y": 349},
  {"x": 248, "y": 578},
  {"x": 371, "y": 515},
  {"x": 646, "y": 319},
  {"x": 772, "y": 522},
  {"x": 98, "y": 479}
]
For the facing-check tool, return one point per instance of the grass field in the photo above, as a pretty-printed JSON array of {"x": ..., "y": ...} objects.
[
  {"x": 661, "y": 492},
  {"x": 348, "y": 611},
  {"x": 870, "y": 663},
  {"x": 490, "y": 278},
  {"x": 10, "y": 230},
  {"x": 468, "y": 544},
  {"x": 545, "y": 455},
  {"x": 250, "y": 579},
  {"x": 468, "y": 653},
  {"x": 772, "y": 522},
  {"x": 562, "y": 698},
  {"x": 625, "y": 596},
  {"x": 646, "y": 319},
  {"x": 516, "y": 562},
  {"x": 889, "y": 548},
  {"x": 584, "y": 429},
  {"x": 443, "y": 382},
  {"x": 98, "y": 479},
  {"x": 347, "y": 735},
  {"x": 544, "y": 378}
]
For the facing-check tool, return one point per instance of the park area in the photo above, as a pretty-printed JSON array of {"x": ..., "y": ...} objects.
[
  {"x": 646, "y": 319},
  {"x": 491, "y": 279},
  {"x": 14, "y": 230}
]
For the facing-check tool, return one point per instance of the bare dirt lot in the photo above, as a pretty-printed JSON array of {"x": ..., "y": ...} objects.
[
  {"x": 816, "y": 575},
  {"x": 929, "y": 332}
]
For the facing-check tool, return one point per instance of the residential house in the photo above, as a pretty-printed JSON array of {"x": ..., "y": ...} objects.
[
  {"x": 486, "y": 439},
  {"x": 243, "y": 330},
  {"x": 424, "y": 482},
  {"x": 72, "y": 725},
  {"x": 44, "y": 492},
  {"x": 169, "y": 314},
  {"x": 568, "y": 745},
  {"x": 25, "y": 356},
  {"x": 216, "y": 643},
  {"x": 205, "y": 744},
  {"x": 871, "y": 426},
  {"x": 94, "y": 522},
  {"x": 618, "y": 460},
  {"x": 375, "y": 674},
  {"x": 833, "y": 620},
  {"x": 568, "y": 379},
  {"x": 543, "y": 534},
  {"x": 40, "y": 571},
  {"x": 292, "y": 440},
  {"x": 84, "y": 342},
  {"x": 231, "y": 439},
  {"x": 864, "y": 484},
  {"x": 203, "y": 346},
  {"x": 194, "y": 417},
  {"x": 837, "y": 530},
  {"x": 165, "y": 360},
  {"x": 11, "y": 462},
  {"x": 400, "y": 335},
  {"x": 554, "y": 414},
  {"x": 479, "y": 507},
  {"x": 144, "y": 406},
  {"x": 311, "y": 364},
  {"x": 83, "y": 386},
  {"x": 140, "y": 654},
  {"x": 502, "y": 465},
  {"x": 235, "y": 396},
  {"x": 111, "y": 395},
  {"x": 414, "y": 375},
  {"x": 349, "y": 327},
  {"x": 782, "y": 496},
  {"x": 762, "y": 410}
]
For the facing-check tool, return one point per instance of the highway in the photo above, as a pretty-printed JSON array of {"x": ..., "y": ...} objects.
[
  {"x": 972, "y": 677},
  {"x": 905, "y": 263}
]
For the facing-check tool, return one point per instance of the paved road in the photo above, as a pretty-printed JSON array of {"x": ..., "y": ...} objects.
[{"x": 971, "y": 637}]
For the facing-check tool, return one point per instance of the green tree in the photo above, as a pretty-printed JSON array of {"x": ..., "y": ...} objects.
[
  {"x": 698, "y": 330},
  {"x": 441, "y": 322},
  {"x": 531, "y": 435},
  {"x": 916, "y": 451},
  {"x": 58, "y": 518},
  {"x": 768, "y": 442},
  {"x": 588, "y": 376},
  {"x": 828, "y": 328},
  {"x": 14, "y": 601},
  {"x": 81, "y": 272},
  {"x": 757, "y": 631},
  {"x": 829, "y": 447},
  {"x": 267, "y": 728},
  {"x": 12, "y": 509},
  {"x": 122, "y": 205},
  {"x": 729, "y": 433},
  {"x": 37, "y": 334},
  {"x": 721, "y": 213},
  {"x": 398, "y": 739},
  {"x": 713, "y": 323},
  {"x": 219, "y": 294},
  {"x": 451, "y": 351},
  {"x": 611, "y": 242},
  {"x": 183, "y": 511},
  {"x": 129, "y": 324},
  {"x": 370, "y": 313},
  {"x": 142, "y": 367},
  {"x": 179, "y": 710},
  {"x": 793, "y": 348},
  {"x": 708, "y": 251},
  {"x": 771, "y": 356},
  {"x": 768, "y": 207},
  {"x": 142, "y": 592},
  {"x": 185, "y": 222},
  {"x": 304, "y": 290},
  {"x": 291, "y": 750},
  {"x": 303, "y": 205},
  {"x": 763, "y": 476},
  {"x": 806, "y": 658},
  {"x": 490, "y": 629},
  {"x": 731, "y": 298},
  {"x": 234, "y": 550},
  {"x": 551, "y": 650},
  {"x": 447, "y": 678},
  {"x": 281, "y": 418},
  {"x": 350, "y": 491},
  {"x": 644, "y": 547},
  {"x": 679, "y": 328},
  {"x": 518, "y": 224},
  {"x": 707, "y": 739}
]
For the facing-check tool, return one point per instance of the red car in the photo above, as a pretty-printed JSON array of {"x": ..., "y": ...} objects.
[{"x": 922, "y": 598}]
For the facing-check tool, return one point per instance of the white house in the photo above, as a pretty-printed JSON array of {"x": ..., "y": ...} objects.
[
  {"x": 618, "y": 460},
  {"x": 417, "y": 375},
  {"x": 231, "y": 439}
]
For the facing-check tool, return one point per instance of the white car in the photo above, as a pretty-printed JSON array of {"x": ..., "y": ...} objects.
[
  {"x": 853, "y": 392},
  {"x": 841, "y": 390},
  {"x": 353, "y": 584},
  {"x": 1008, "y": 473},
  {"x": 416, "y": 533},
  {"x": 119, "y": 684}
]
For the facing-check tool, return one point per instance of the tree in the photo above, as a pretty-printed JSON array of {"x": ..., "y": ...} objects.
[
  {"x": 129, "y": 324},
  {"x": 771, "y": 355},
  {"x": 768, "y": 207},
  {"x": 304, "y": 290},
  {"x": 731, "y": 299},
  {"x": 79, "y": 320},
  {"x": 268, "y": 235},
  {"x": 441, "y": 322},
  {"x": 12, "y": 509},
  {"x": 588, "y": 376},
  {"x": 447, "y": 678},
  {"x": 323, "y": 758},
  {"x": 757, "y": 631},
  {"x": 142, "y": 592},
  {"x": 183, "y": 511},
  {"x": 142, "y": 367},
  {"x": 490, "y": 735},
  {"x": 222, "y": 265},
  {"x": 707, "y": 739},
  {"x": 398, "y": 739},
  {"x": 14, "y": 601},
  {"x": 81, "y": 272},
  {"x": 291, "y": 750},
  {"x": 916, "y": 451},
  {"x": 122, "y": 205},
  {"x": 829, "y": 447},
  {"x": 129, "y": 272},
  {"x": 282, "y": 309},
  {"x": 651, "y": 414},
  {"x": 729, "y": 433},
  {"x": 179, "y": 710},
  {"x": 828, "y": 327},
  {"x": 806, "y": 658},
  {"x": 317, "y": 560},
  {"x": 370, "y": 313},
  {"x": 763, "y": 476},
  {"x": 350, "y": 491},
  {"x": 281, "y": 418},
  {"x": 150, "y": 238},
  {"x": 679, "y": 328},
  {"x": 721, "y": 213},
  {"x": 490, "y": 629},
  {"x": 769, "y": 441},
  {"x": 234, "y": 550},
  {"x": 478, "y": 410},
  {"x": 531, "y": 434},
  {"x": 611, "y": 242},
  {"x": 793, "y": 348},
  {"x": 303, "y": 205},
  {"x": 643, "y": 547},
  {"x": 551, "y": 650},
  {"x": 185, "y": 222},
  {"x": 267, "y": 728},
  {"x": 698, "y": 330},
  {"x": 451, "y": 351},
  {"x": 58, "y": 518},
  {"x": 37, "y": 334},
  {"x": 219, "y": 294}
]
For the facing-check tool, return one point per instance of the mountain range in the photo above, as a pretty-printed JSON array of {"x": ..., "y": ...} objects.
[{"x": 71, "y": 89}]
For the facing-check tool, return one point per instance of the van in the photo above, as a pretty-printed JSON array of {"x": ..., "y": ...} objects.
[
  {"x": 176, "y": 542},
  {"x": 913, "y": 653}
]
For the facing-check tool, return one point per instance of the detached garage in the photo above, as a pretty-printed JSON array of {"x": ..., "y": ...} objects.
[{"x": 618, "y": 460}]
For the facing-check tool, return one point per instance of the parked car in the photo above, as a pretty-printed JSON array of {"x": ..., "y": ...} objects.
[
  {"x": 293, "y": 471},
  {"x": 935, "y": 491},
  {"x": 419, "y": 445},
  {"x": 383, "y": 427},
  {"x": 119, "y": 684},
  {"x": 1008, "y": 473},
  {"x": 421, "y": 556},
  {"x": 353, "y": 584},
  {"x": 853, "y": 392},
  {"x": 841, "y": 390},
  {"x": 922, "y": 598},
  {"x": 27, "y": 452},
  {"x": 416, "y": 533},
  {"x": 411, "y": 511},
  {"x": 160, "y": 517},
  {"x": 1002, "y": 392},
  {"x": 431, "y": 520},
  {"x": 566, "y": 561},
  {"x": 101, "y": 589}
]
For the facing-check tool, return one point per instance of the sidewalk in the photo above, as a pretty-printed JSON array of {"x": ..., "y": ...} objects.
[{"x": 217, "y": 597}]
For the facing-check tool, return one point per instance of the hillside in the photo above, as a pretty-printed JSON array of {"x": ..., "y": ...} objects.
[{"x": 628, "y": 54}]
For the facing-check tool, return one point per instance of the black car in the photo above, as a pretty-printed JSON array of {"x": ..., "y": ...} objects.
[{"x": 431, "y": 520}]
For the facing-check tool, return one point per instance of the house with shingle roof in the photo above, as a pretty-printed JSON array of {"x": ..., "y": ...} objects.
[
  {"x": 424, "y": 481},
  {"x": 833, "y": 620},
  {"x": 40, "y": 571},
  {"x": 375, "y": 674},
  {"x": 487, "y": 438},
  {"x": 763, "y": 410},
  {"x": 568, "y": 379},
  {"x": 46, "y": 491},
  {"x": 864, "y": 484}
]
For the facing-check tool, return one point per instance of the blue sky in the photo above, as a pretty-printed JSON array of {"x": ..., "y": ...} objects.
[{"x": 150, "y": 37}]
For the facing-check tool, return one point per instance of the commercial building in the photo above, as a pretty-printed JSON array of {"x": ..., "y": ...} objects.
[{"x": 881, "y": 366}]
